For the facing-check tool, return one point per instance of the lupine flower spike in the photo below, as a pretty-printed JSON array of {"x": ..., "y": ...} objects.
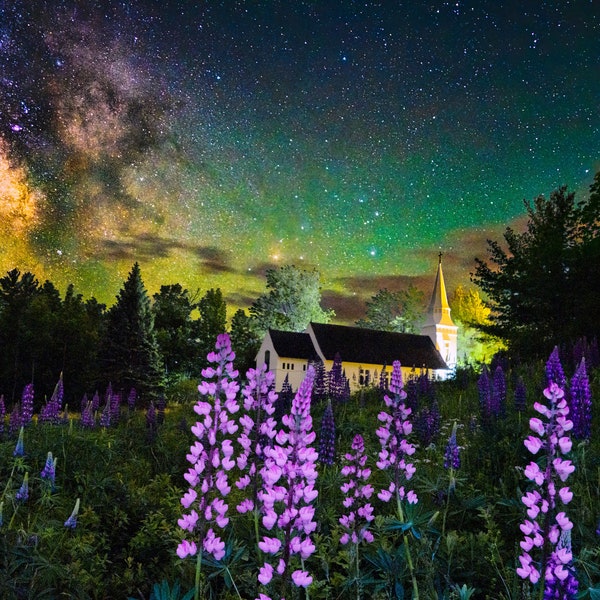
[
  {"x": 327, "y": 441},
  {"x": 27, "y": 404},
  {"x": 71, "y": 522},
  {"x": 211, "y": 457},
  {"x": 395, "y": 450},
  {"x": 258, "y": 431},
  {"x": 19, "y": 448},
  {"x": 547, "y": 529},
  {"x": 23, "y": 492},
  {"x": 580, "y": 403},
  {"x": 452, "y": 453},
  {"x": 288, "y": 492},
  {"x": 358, "y": 492},
  {"x": 49, "y": 471}
]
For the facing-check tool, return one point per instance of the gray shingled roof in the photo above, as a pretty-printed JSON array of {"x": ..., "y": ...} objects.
[{"x": 368, "y": 346}]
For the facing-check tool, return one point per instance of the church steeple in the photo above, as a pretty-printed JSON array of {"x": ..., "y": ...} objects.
[
  {"x": 438, "y": 324},
  {"x": 439, "y": 309}
]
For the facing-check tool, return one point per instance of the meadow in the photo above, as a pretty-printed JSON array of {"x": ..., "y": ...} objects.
[{"x": 106, "y": 513}]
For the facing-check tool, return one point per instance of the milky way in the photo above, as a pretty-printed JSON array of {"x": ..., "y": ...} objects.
[{"x": 212, "y": 140}]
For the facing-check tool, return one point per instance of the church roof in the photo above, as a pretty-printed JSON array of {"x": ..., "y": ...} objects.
[
  {"x": 290, "y": 344},
  {"x": 369, "y": 346}
]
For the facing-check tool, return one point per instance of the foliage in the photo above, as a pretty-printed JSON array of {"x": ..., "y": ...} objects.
[
  {"x": 212, "y": 322},
  {"x": 245, "y": 341},
  {"x": 543, "y": 286},
  {"x": 175, "y": 330},
  {"x": 464, "y": 532},
  {"x": 401, "y": 311},
  {"x": 42, "y": 336},
  {"x": 292, "y": 302},
  {"x": 129, "y": 354}
]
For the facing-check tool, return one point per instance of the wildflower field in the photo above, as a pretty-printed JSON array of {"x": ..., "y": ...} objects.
[{"x": 483, "y": 486}]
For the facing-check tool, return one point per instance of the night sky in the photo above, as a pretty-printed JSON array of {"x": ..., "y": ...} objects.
[{"x": 211, "y": 140}]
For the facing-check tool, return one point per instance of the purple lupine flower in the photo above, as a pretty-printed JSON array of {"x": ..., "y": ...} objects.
[
  {"x": 427, "y": 424},
  {"x": 131, "y": 398},
  {"x": 283, "y": 403},
  {"x": 554, "y": 370},
  {"x": 336, "y": 380},
  {"x": 395, "y": 448},
  {"x": 19, "y": 448},
  {"x": 258, "y": 431},
  {"x": 288, "y": 492},
  {"x": 211, "y": 455},
  {"x": 357, "y": 494},
  {"x": 71, "y": 522},
  {"x": 452, "y": 452},
  {"x": 95, "y": 402},
  {"x": 83, "y": 403},
  {"x": 320, "y": 386},
  {"x": 498, "y": 405},
  {"x": 88, "y": 417},
  {"x": 50, "y": 412},
  {"x": 580, "y": 403},
  {"x": 23, "y": 492},
  {"x": 484, "y": 387},
  {"x": 2, "y": 415},
  {"x": 14, "y": 420},
  {"x": 49, "y": 471},
  {"x": 105, "y": 417},
  {"x": 27, "y": 404},
  {"x": 546, "y": 523},
  {"x": 115, "y": 407},
  {"x": 520, "y": 395},
  {"x": 327, "y": 439}
]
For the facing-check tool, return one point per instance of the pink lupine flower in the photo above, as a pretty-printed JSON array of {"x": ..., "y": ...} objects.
[
  {"x": 394, "y": 445},
  {"x": 287, "y": 491},
  {"x": 361, "y": 514},
  {"x": 301, "y": 578},
  {"x": 210, "y": 455},
  {"x": 547, "y": 529}
]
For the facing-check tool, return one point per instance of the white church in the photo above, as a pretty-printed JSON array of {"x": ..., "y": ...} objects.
[{"x": 365, "y": 353}]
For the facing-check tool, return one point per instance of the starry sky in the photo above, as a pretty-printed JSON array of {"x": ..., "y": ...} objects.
[{"x": 211, "y": 140}]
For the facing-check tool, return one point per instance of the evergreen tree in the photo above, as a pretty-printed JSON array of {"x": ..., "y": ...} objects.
[
  {"x": 130, "y": 356},
  {"x": 176, "y": 332},
  {"x": 542, "y": 286},
  {"x": 212, "y": 322}
]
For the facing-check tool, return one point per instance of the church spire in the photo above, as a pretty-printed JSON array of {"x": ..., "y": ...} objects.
[
  {"x": 438, "y": 323},
  {"x": 439, "y": 309}
]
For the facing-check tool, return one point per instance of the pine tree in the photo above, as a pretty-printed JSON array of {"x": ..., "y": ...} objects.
[{"x": 129, "y": 354}]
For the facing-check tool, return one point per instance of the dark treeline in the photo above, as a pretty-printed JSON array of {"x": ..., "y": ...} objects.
[
  {"x": 139, "y": 342},
  {"x": 542, "y": 286}
]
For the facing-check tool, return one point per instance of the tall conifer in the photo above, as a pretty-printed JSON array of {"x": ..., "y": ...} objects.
[{"x": 130, "y": 356}]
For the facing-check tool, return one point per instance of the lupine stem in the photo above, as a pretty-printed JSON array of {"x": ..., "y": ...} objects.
[
  {"x": 409, "y": 560},
  {"x": 198, "y": 571}
]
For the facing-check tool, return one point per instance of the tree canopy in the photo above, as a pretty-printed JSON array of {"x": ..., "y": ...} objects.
[
  {"x": 402, "y": 311},
  {"x": 292, "y": 302},
  {"x": 542, "y": 284}
]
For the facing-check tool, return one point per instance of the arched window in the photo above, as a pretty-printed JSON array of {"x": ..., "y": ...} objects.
[{"x": 268, "y": 359}]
